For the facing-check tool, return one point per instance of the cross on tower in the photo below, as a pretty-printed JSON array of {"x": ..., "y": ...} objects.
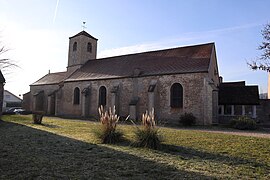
[{"x": 83, "y": 25}]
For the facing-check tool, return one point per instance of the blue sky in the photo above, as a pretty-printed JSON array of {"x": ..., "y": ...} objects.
[{"x": 36, "y": 32}]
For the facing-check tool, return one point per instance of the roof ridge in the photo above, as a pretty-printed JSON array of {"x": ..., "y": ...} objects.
[
  {"x": 57, "y": 72},
  {"x": 154, "y": 51}
]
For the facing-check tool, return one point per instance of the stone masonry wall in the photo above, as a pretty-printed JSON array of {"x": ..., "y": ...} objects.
[
  {"x": 193, "y": 92},
  {"x": 48, "y": 89}
]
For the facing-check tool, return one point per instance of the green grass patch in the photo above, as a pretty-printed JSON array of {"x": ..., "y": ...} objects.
[{"x": 67, "y": 149}]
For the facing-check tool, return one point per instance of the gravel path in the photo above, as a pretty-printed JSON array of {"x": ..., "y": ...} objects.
[{"x": 264, "y": 134}]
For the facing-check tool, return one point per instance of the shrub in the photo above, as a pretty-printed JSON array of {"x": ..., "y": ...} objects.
[
  {"x": 187, "y": 119},
  {"x": 37, "y": 117},
  {"x": 107, "y": 132},
  {"x": 148, "y": 134},
  {"x": 243, "y": 123}
]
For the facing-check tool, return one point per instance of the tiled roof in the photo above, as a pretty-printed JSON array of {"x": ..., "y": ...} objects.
[
  {"x": 189, "y": 59},
  {"x": 84, "y": 33},
  {"x": 52, "y": 78},
  {"x": 2, "y": 79},
  {"x": 238, "y": 95}
]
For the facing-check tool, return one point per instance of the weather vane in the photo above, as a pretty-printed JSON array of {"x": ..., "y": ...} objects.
[{"x": 83, "y": 25}]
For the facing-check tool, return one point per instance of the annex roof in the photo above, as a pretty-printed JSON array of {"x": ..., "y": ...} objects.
[
  {"x": 51, "y": 78},
  {"x": 189, "y": 59},
  {"x": 238, "y": 95}
]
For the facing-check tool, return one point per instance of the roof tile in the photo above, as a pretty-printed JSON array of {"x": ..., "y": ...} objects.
[
  {"x": 170, "y": 61},
  {"x": 52, "y": 78}
]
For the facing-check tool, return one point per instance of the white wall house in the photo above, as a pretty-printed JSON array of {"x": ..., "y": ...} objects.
[{"x": 10, "y": 100}]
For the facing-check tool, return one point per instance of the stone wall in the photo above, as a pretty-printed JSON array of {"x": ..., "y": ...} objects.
[
  {"x": 263, "y": 111},
  {"x": 81, "y": 56},
  {"x": 213, "y": 69},
  {"x": 26, "y": 103},
  {"x": 195, "y": 91},
  {"x": 48, "y": 89},
  {"x": 197, "y": 97}
]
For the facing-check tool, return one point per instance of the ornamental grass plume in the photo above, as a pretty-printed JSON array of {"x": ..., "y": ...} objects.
[
  {"x": 108, "y": 119},
  {"x": 107, "y": 132},
  {"x": 148, "y": 120},
  {"x": 148, "y": 135}
]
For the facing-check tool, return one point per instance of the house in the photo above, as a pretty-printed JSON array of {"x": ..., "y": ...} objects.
[
  {"x": 11, "y": 100},
  {"x": 172, "y": 81},
  {"x": 2, "y": 83},
  {"x": 237, "y": 99}
]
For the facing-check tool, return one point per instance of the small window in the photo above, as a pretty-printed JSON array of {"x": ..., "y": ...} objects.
[
  {"x": 176, "y": 96},
  {"x": 89, "y": 47},
  {"x": 76, "y": 99},
  {"x": 75, "y": 46},
  {"x": 102, "y": 96}
]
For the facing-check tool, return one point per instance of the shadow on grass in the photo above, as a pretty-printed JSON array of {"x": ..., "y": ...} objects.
[
  {"x": 48, "y": 125},
  {"x": 28, "y": 153},
  {"x": 186, "y": 153},
  {"x": 190, "y": 153}
]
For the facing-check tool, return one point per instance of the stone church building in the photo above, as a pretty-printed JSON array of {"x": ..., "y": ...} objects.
[{"x": 172, "y": 81}]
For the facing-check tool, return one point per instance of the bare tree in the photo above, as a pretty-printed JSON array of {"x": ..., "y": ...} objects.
[
  {"x": 5, "y": 63},
  {"x": 263, "y": 62}
]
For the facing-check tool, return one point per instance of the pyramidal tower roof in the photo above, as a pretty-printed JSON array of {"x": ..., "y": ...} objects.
[{"x": 84, "y": 33}]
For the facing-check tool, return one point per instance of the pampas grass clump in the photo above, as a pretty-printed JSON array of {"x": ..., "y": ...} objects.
[
  {"x": 148, "y": 134},
  {"x": 107, "y": 132}
]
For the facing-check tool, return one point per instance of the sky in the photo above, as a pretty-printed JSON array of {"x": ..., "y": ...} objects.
[{"x": 36, "y": 33}]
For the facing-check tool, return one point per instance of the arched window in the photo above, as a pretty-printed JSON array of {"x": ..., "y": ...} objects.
[
  {"x": 102, "y": 96},
  {"x": 89, "y": 47},
  {"x": 76, "y": 96},
  {"x": 176, "y": 95},
  {"x": 75, "y": 46}
]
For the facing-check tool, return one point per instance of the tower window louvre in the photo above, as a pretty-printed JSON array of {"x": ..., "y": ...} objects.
[
  {"x": 75, "y": 46},
  {"x": 89, "y": 47}
]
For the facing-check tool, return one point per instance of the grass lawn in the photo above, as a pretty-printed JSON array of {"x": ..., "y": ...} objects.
[{"x": 67, "y": 149}]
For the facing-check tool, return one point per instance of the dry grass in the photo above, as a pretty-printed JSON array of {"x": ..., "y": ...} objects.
[{"x": 65, "y": 149}]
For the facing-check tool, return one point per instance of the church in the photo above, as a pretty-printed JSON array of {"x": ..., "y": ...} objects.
[{"x": 172, "y": 81}]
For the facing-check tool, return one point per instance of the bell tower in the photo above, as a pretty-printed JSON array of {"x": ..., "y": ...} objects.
[{"x": 82, "y": 47}]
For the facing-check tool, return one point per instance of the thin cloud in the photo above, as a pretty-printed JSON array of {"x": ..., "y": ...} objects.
[
  {"x": 185, "y": 39},
  {"x": 234, "y": 28},
  {"x": 55, "y": 11}
]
